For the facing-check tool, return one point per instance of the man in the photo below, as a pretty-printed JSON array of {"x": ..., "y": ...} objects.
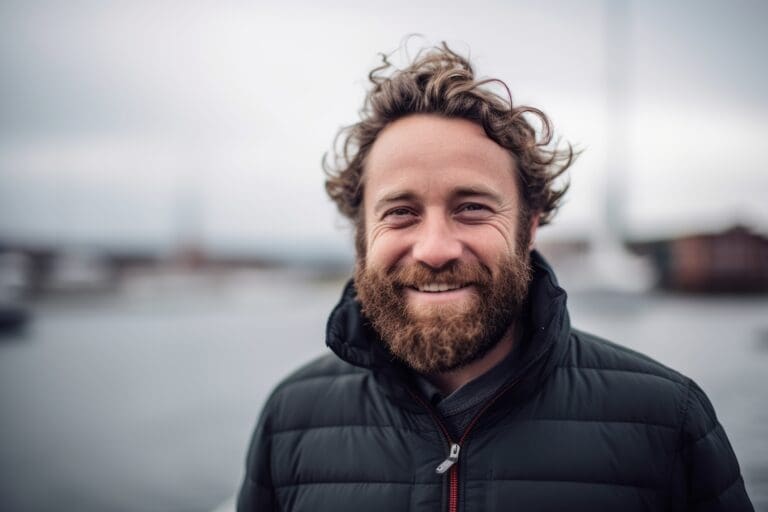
[{"x": 456, "y": 381}]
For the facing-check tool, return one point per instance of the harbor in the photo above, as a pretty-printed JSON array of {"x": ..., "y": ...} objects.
[{"x": 143, "y": 398}]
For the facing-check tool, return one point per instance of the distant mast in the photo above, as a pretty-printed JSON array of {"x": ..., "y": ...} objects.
[
  {"x": 611, "y": 265},
  {"x": 618, "y": 63}
]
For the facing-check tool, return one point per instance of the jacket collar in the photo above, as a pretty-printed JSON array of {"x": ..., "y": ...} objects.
[{"x": 352, "y": 337}]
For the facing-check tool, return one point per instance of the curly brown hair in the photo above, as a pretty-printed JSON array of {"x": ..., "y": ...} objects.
[{"x": 442, "y": 82}]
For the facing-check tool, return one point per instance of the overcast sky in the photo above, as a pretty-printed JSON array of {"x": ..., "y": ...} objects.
[{"x": 139, "y": 122}]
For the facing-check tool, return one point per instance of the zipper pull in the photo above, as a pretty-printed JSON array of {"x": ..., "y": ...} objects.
[{"x": 453, "y": 456}]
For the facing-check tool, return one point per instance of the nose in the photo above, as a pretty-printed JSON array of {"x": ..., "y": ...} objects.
[{"x": 437, "y": 245}]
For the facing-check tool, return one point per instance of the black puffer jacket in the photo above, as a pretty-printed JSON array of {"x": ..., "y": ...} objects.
[{"x": 583, "y": 425}]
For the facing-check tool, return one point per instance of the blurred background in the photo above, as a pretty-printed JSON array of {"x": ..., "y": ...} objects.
[{"x": 167, "y": 252}]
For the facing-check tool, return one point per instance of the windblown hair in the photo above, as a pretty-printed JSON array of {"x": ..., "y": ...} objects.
[{"x": 441, "y": 82}]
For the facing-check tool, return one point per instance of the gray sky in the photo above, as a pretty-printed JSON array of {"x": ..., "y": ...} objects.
[{"x": 133, "y": 122}]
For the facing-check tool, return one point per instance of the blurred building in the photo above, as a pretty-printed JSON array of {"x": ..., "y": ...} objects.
[{"x": 732, "y": 261}]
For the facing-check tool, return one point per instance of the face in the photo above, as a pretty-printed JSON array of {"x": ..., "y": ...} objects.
[{"x": 445, "y": 265}]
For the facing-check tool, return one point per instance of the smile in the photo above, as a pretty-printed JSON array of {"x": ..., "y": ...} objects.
[
  {"x": 439, "y": 293},
  {"x": 439, "y": 287}
]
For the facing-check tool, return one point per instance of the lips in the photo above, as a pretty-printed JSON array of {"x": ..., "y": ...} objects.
[{"x": 438, "y": 287}]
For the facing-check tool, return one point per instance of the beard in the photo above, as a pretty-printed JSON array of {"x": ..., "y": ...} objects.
[{"x": 437, "y": 338}]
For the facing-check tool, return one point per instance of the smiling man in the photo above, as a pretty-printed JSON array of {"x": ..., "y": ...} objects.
[
  {"x": 456, "y": 381},
  {"x": 445, "y": 268}
]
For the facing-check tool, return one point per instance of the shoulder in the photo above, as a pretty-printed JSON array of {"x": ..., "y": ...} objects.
[
  {"x": 641, "y": 381},
  {"x": 312, "y": 390},
  {"x": 327, "y": 367},
  {"x": 614, "y": 383},
  {"x": 590, "y": 352}
]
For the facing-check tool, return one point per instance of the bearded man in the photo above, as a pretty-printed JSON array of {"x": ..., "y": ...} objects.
[{"x": 456, "y": 381}]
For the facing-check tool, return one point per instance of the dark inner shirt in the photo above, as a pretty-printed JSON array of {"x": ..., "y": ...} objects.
[{"x": 460, "y": 407}]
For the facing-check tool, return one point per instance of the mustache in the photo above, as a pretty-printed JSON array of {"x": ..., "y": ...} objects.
[{"x": 464, "y": 273}]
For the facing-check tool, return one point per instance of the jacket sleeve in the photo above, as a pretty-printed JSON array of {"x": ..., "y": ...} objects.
[
  {"x": 256, "y": 493},
  {"x": 714, "y": 479}
]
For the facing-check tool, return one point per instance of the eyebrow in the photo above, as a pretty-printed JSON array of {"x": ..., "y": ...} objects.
[
  {"x": 393, "y": 197},
  {"x": 477, "y": 191},
  {"x": 456, "y": 193}
]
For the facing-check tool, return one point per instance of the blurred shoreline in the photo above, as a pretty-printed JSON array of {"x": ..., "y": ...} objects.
[{"x": 144, "y": 398}]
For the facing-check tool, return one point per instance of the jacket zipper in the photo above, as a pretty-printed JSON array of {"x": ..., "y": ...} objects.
[
  {"x": 454, "y": 448},
  {"x": 448, "y": 464}
]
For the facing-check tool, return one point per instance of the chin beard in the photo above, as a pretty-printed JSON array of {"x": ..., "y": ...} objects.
[{"x": 442, "y": 337}]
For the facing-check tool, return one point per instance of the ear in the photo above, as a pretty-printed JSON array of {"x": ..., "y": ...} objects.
[{"x": 534, "y": 225}]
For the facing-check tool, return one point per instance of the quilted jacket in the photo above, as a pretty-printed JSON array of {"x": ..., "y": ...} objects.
[{"x": 583, "y": 424}]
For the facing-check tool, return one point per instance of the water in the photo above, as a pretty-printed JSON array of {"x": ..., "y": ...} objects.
[{"x": 144, "y": 400}]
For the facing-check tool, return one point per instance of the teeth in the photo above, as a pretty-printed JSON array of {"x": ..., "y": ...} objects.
[{"x": 438, "y": 287}]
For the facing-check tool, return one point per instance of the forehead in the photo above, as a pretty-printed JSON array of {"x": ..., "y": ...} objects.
[{"x": 429, "y": 154}]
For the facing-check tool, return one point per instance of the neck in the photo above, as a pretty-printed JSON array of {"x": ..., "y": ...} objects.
[{"x": 448, "y": 382}]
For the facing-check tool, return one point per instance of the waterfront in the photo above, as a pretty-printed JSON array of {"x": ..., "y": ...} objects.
[{"x": 144, "y": 399}]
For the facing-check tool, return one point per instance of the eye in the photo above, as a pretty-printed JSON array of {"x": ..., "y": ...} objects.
[
  {"x": 472, "y": 212},
  {"x": 398, "y": 212},
  {"x": 472, "y": 207},
  {"x": 399, "y": 215}
]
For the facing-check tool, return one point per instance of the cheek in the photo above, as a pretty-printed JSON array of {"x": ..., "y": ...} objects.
[
  {"x": 385, "y": 248},
  {"x": 492, "y": 244}
]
